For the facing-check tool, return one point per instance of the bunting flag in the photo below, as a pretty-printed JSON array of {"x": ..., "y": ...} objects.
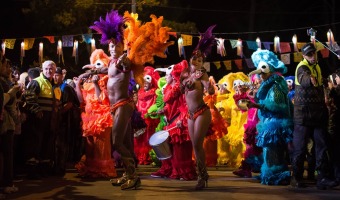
[
  {"x": 50, "y": 38},
  {"x": 324, "y": 52},
  {"x": 267, "y": 45},
  {"x": 297, "y": 56},
  {"x": 238, "y": 63},
  {"x": 9, "y": 43},
  {"x": 227, "y": 64},
  {"x": 217, "y": 64},
  {"x": 300, "y": 44},
  {"x": 206, "y": 66},
  {"x": 250, "y": 63},
  {"x": 285, "y": 47},
  {"x": 285, "y": 58},
  {"x": 67, "y": 40},
  {"x": 233, "y": 43},
  {"x": 220, "y": 47},
  {"x": 28, "y": 43},
  {"x": 187, "y": 40},
  {"x": 87, "y": 38},
  {"x": 253, "y": 45},
  {"x": 319, "y": 46}
]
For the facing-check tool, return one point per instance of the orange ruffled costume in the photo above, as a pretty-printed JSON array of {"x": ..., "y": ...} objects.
[{"x": 97, "y": 122}]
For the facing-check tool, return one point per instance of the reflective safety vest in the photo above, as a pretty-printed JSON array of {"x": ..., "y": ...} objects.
[
  {"x": 314, "y": 69},
  {"x": 47, "y": 95}
]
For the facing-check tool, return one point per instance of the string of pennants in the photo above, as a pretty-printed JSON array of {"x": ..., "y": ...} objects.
[{"x": 282, "y": 48}]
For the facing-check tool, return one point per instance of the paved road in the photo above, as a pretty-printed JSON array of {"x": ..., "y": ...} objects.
[{"x": 222, "y": 185}]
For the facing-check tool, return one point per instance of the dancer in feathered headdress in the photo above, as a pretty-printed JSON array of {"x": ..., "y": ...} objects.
[
  {"x": 194, "y": 83},
  {"x": 142, "y": 43}
]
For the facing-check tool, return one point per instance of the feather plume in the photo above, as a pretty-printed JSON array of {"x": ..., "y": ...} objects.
[
  {"x": 112, "y": 27},
  {"x": 206, "y": 42}
]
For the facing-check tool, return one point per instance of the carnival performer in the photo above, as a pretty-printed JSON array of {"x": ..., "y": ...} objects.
[
  {"x": 180, "y": 165},
  {"x": 194, "y": 80},
  {"x": 146, "y": 98},
  {"x": 135, "y": 37},
  {"x": 159, "y": 104},
  {"x": 291, "y": 87},
  {"x": 232, "y": 147},
  {"x": 218, "y": 127},
  {"x": 97, "y": 161},
  {"x": 253, "y": 154},
  {"x": 275, "y": 111}
]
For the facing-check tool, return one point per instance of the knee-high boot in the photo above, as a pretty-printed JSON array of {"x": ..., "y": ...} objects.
[
  {"x": 132, "y": 179},
  {"x": 203, "y": 176}
]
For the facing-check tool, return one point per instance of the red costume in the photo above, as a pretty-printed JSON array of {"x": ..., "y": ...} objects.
[{"x": 146, "y": 98}]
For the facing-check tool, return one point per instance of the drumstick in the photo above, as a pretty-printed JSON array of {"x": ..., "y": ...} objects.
[{"x": 171, "y": 128}]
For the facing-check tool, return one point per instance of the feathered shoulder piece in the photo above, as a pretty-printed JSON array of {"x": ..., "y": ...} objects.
[
  {"x": 205, "y": 43},
  {"x": 111, "y": 28},
  {"x": 147, "y": 40}
]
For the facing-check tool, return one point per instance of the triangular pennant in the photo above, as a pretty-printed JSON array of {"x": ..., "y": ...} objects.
[
  {"x": 233, "y": 43},
  {"x": 50, "y": 38},
  {"x": 67, "y": 40},
  {"x": 28, "y": 43},
  {"x": 238, "y": 63},
  {"x": 187, "y": 40},
  {"x": 9, "y": 43},
  {"x": 319, "y": 46},
  {"x": 217, "y": 64},
  {"x": 300, "y": 44},
  {"x": 87, "y": 38},
  {"x": 297, "y": 56},
  {"x": 252, "y": 45},
  {"x": 285, "y": 47},
  {"x": 267, "y": 45},
  {"x": 227, "y": 64},
  {"x": 250, "y": 63},
  {"x": 285, "y": 58},
  {"x": 220, "y": 47},
  {"x": 324, "y": 52}
]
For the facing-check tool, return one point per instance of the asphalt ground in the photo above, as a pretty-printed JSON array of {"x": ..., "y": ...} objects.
[{"x": 222, "y": 184}]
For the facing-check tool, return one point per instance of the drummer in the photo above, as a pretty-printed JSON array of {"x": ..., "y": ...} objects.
[{"x": 180, "y": 165}]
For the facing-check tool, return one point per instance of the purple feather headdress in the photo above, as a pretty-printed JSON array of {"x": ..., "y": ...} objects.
[
  {"x": 205, "y": 43},
  {"x": 110, "y": 28}
]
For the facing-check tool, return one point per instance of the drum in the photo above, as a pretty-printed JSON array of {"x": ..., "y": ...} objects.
[{"x": 160, "y": 144}]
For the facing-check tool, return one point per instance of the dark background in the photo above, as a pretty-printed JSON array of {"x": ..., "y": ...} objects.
[{"x": 245, "y": 19}]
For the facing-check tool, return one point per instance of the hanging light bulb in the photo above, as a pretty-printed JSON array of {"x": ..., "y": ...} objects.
[
  {"x": 294, "y": 39},
  {"x": 93, "y": 45},
  {"x": 258, "y": 42},
  {"x": 41, "y": 52},
  {"x": 277, "y": 44}
]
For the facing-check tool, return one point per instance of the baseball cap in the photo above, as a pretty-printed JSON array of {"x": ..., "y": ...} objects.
[
  {"x": 59, "y": 70},
  {"x": 309, "y": 47}
]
